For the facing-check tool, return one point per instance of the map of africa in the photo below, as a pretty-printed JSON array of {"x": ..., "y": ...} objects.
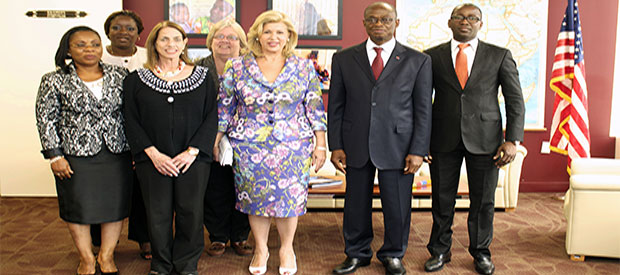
[{"x": 519, "y": 25}]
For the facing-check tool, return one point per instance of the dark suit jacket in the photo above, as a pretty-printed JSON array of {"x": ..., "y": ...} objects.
[
  {"x": 473, "y": 114},
  {"x": 384, "y": 120}
]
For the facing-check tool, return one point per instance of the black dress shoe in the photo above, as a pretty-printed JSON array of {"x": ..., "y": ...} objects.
[
  {"x": 484, "y": 265},
  {"x": 436, "y": 262},
  {"x": 393, "y": 266},
  {"x": 350, "y": 265}
]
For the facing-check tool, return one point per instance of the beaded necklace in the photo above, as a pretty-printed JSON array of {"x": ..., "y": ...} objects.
[{"x": 174, "y": 73}]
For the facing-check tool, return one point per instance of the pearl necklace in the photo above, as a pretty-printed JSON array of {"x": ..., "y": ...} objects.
[{"x": 174, "y": 73}]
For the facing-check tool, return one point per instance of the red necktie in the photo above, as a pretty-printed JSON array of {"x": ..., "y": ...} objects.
[
  {"x": 460, "y": 65},
  {"x": 377, "y": 64}
]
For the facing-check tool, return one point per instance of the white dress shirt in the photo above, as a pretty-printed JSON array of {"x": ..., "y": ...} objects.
[
  {"x": 470, "y": 52},
  {"x": 387, "y": 47}
]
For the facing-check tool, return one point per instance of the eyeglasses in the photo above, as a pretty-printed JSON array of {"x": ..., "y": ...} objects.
[
  {"x": 83, "y": 46},
  {"x": 374, "y": 20},
  {"x": 228, "y": 37},
  {"x": 470, "y": 19},
  {"x": 119, "y": 28}
]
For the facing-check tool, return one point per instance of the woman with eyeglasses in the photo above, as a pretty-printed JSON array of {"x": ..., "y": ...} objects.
[
  {"x": 226, "y": 40},
  {"x": 123, "y": 28},
  {"x": 81, "y": 126}
]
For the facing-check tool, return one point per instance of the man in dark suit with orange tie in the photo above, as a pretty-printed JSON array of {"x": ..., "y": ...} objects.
[
  {"x": 379, "y": 116},
  {"x": 467, "y": 124}
]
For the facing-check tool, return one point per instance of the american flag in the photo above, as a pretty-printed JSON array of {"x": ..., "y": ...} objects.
[{"x": 570, "y": 133}]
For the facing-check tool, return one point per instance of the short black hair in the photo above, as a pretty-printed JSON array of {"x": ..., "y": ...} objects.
[
  {"x": 133, "y": 15},
  {"x": 466, "y": 5},
  {"x": 62, "y": 53}
]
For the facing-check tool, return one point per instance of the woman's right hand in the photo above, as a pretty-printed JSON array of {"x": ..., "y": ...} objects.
[
  {"x": 162, "y": 162},
  {"x": 61, "y": 169}
]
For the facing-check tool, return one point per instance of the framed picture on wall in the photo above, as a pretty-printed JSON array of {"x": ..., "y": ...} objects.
[
  {"x": 313, "y": 19},
  {"x": 198, "y": 16},
  {"x": 321, "y": 57},
  {"x": 195, "y": 52}
]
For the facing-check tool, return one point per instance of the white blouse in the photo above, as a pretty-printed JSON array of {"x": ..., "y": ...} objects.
[
  {"x": 96, "y": 87},
  {"x": 131, "y": 63}
]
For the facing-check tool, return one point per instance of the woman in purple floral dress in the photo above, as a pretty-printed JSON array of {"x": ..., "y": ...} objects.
[{"x": 271, "y": 108}]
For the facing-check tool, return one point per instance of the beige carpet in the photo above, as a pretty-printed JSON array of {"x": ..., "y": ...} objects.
[{"x": 33, "y": 240}]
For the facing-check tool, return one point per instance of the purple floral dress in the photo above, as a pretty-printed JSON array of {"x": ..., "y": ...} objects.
[{"x": 270, "y": 127}]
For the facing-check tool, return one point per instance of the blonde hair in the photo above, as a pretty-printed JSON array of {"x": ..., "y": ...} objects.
[
  {"x": 152, "y": 57},
  {"x": 256, "y": 30},
  {"x": 243, "y": 41}
]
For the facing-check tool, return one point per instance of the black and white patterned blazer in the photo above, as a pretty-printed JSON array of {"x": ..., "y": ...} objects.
[{"x": 72, "y": 121}]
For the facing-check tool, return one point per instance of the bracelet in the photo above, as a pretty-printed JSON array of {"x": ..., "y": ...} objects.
[
  {"x": 56, "y": 158},
  {"x": 321, "y": 148}
]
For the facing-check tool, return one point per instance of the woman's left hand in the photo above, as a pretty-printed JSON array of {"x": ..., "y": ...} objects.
[
  {"x": 183, "y": 161},
  {"x": 318, "y": 158}
]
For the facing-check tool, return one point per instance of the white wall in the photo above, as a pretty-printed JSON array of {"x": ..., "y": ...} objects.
[{"x": 28, "y": 48}]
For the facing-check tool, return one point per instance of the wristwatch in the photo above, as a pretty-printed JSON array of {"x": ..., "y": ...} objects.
[{"x": 193, "y": 151}]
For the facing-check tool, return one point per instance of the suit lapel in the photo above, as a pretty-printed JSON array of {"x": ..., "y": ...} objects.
[
  {"x": 446, "y": 61},
  {"x": 361, "y": 57},
  {"x": 477, "y": 67},
  {"x": 393, "y": 62}
]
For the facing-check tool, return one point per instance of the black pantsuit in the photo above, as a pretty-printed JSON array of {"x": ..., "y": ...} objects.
[
  {"x": 223, "y": 222},
  {"x": 395, "y": 189},
  {"x": 172, "y": 117},
  {"x": 482, "y": 179},
  {"x": 163, "y": 197},
  {"x": 138, "y": 228}
]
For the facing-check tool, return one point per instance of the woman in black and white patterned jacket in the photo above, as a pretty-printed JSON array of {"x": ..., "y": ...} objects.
[{"x": 81, "y": 126}]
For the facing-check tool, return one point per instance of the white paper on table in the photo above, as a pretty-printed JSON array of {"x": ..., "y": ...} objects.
[{"x": 226, "y": 152}]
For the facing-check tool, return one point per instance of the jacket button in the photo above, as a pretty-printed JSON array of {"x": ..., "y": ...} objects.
[
  {"x": 271, "y": 121},
  {"x": 170, "y": 99},
  {"x": 374, "y": 104}
]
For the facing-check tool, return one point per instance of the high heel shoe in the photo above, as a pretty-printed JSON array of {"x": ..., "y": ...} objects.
[
  {"x": 258, "y": 270},
  {"x": 78, "y": 273},
  {"x": 287, "y": 270},
  {"x": 106, "y": 273}
]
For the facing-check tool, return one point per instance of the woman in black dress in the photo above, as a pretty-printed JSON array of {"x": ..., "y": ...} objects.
[
  {"x": 171, "y": 114},
  {"x": 80, "y": 123}
]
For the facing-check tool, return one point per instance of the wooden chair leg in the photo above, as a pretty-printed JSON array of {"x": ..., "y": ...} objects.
[{"x": 577, "y": 258}]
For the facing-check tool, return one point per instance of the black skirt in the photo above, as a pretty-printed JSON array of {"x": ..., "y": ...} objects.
[{"x": 99, "y": 190}]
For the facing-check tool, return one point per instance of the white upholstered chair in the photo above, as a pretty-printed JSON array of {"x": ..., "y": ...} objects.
[
  {"x": 592, "y": 209},
  {"x": 507, "y": 192}
]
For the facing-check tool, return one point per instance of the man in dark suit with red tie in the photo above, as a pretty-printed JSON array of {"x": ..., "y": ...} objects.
[
  {"x": 467, "y": 124},
  {"x": 379, "y": 118}
]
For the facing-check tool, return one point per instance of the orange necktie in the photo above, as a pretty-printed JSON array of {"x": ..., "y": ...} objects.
[{"x": 461, "y": 65}]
